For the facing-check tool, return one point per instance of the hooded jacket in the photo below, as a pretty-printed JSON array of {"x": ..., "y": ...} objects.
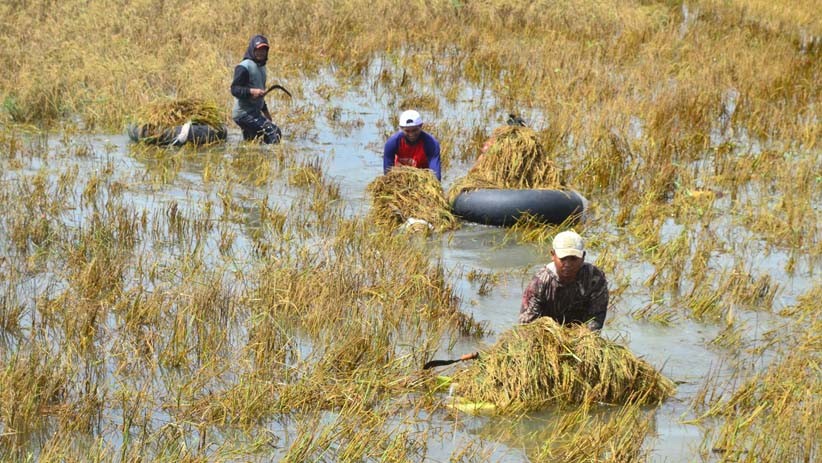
[{"x": 249, "y": 74}]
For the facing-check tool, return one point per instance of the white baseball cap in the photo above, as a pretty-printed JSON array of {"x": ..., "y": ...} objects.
[
  {"x": 410, "y": 118},
  {"x": 568, "y": 243}
]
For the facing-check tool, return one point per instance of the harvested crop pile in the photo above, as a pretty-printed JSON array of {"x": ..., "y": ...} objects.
[
  {"x": 514, "y": 159},
  {"x": 544, "y": 363},
  {"x": 409, "y": 193},
  {"x": 170, "y": 112},
  {"x": 176, "y": 122}
]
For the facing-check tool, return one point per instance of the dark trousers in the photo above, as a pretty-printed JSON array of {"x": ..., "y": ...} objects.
[{"x": 256, "y": 126}]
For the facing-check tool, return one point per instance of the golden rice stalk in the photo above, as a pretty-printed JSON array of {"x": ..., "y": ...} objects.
[
  {"x": 408, "y": 192},
  {"x": 514, "y": 159},
  {"x": 168, "y": 112},
  {"x": 469, "y": 183},
  {"x": 543, "y": 362}
]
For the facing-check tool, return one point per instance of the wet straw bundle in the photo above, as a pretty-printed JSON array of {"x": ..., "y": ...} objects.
[
  {"x": 169, "y": 112},
  {"x": 176, "y": 122},
  {"x": 407, "y": 193},
  {"x": 544, "y": 363},
  {"x": 513, "y": 159}
]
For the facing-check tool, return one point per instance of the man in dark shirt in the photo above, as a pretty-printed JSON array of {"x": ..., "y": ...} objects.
[
  {"x": 569, "y": 290},
  {"x": 248, "y": 87}
]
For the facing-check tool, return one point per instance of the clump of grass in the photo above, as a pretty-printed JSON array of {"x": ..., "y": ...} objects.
[
  {"x": 33, "y": 387},
  {"x": 532, "y": 229},
  {"x": 425, "y": 102},
  {"x": 486, "y": 281},
  {"x": 542, "y": 363},
  {"x": 774, "y": 414},
  {"x": 514, "y": 159},
  {"x": 582, "y": 435},
  {"x": 306, "y": 174},
  {"x": 405, "y": 193}
]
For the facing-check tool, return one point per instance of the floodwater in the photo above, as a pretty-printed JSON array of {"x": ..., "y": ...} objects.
[{"x": 352, "y": 157}]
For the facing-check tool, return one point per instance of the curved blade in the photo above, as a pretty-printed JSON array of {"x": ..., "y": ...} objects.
[{"x": 278, "y": 87}]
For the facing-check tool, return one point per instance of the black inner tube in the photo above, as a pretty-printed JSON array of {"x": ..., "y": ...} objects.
[{"x": 504, "y": 207}]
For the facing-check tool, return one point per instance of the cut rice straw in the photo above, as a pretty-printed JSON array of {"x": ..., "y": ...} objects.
[
  {"x": 514, "y": 159},
  {"x": 543, "y": 363},
  {"x": 409, "y": 193},
  {"x": 167, "y": 112}
]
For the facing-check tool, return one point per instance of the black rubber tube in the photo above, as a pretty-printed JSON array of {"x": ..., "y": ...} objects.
[
  {"x": 206, "y": 134},
  {"x": 198, "y": 134},
  {"x": 505, "y": 207}
]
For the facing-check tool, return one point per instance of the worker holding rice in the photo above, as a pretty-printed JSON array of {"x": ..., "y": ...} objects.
[
  {"x": 568, "y": 290},
  {"x": 411, "y": 146}
]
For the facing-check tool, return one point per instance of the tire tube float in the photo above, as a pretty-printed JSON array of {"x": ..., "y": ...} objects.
[
  {"x": 198, "y": 134},
  {"x": 503, "y": 207}
]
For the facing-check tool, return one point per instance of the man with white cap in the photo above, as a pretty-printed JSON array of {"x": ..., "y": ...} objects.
[
  {"x": 410, "y": 146},
  {"x": 569, "y": 290}
]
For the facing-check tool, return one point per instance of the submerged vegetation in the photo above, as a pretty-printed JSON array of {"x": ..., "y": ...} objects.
[{"x": 233, "y": 303}]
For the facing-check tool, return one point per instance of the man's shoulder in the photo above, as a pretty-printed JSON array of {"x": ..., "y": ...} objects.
[
  {"x": 595, "y": 274},
  {"x": 593, "y": 267},
  {"x": 547, "y": 273},
  {"x": 249, "y": 64},
  {"x": 394, "y": 138}
]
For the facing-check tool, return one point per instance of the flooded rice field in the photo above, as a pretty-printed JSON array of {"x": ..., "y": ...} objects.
[{"x": 199, "y": 303}]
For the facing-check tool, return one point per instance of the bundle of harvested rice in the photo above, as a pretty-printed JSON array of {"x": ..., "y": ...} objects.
[
  {"x": 542, "y": 363},
  {"x": 409, "y": 193},
  {"x": 514, "y": 159},
  {"x": 169, "y": 112}
]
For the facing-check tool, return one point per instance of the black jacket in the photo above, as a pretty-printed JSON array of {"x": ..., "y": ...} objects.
[{"x": 239, "y": 84}]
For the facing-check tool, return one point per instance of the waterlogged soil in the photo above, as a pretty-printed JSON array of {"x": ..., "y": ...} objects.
[{"x": 349, "y": 148}]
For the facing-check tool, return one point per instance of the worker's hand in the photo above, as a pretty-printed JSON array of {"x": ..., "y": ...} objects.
[
  {"x": 593, "y": 325},
  {"x": 257, "y": 93}
]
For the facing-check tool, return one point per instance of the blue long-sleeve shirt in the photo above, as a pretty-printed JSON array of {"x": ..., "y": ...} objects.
[{"x": 430, "y": 145}]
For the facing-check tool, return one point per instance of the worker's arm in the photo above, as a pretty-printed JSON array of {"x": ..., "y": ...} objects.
[
  {"x": 598, "y": 305},
  {"x": 533, "y": 301},
  {"x": 240, "y": 85},
  {"x": 432, "y": 152},
  {"x": 390, "y": 151}
]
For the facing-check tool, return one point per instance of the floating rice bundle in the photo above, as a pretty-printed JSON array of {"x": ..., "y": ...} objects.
[
  {"x": 410, "y": 195},
  {"x": 176, "y": 122},
  {"x": 168, "y": 112},
  {"x": 542, "y": 363},
  {"x": 514, "y": 159}
]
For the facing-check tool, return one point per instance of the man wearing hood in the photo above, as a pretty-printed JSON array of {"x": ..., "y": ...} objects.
[{"x": 248, "y": 87}]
